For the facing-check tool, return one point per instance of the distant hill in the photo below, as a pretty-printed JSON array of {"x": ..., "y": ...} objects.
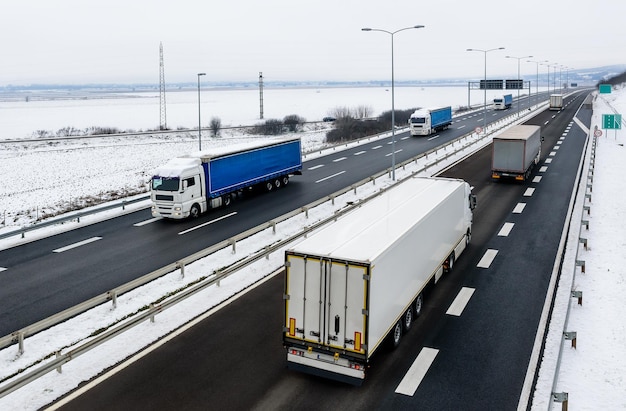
[{"x": 582, "y": 77}]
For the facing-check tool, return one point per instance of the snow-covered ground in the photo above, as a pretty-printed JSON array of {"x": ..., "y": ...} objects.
[{"x": 593, "y": 374}]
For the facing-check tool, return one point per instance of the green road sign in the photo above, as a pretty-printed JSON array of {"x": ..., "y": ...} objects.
[
  {"x": 605, "y": 89},
  {"x": 612, "y": 121}
]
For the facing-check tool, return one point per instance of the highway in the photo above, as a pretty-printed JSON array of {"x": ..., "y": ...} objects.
[
  {"x": 47, "y": 276},
  {"x": 234, "y": 358}
]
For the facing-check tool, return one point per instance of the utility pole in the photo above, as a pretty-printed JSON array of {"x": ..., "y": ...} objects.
[
  {"x": 163, "y": 122},
  {"x": 261, "y": 94}
]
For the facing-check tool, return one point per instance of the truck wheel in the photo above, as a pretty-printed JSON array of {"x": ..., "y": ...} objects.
[
  {"x": 396, "y": 334},
  {"x": 407, "y": 319},
  {"x": 269, "y": 186},
  {"x": 277, "y": 183},
  {"x": 418, "y": 305},
  {"x": 226, "y": 200},
  {"x": 449, "y": 263},
  {"x": 195, "y": 211},
  {"x": 285, "y": 180}
]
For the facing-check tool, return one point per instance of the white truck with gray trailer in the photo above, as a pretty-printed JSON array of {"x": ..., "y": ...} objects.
[
  {"x": 515, "y": 152},
  {"x": 360, "y": 280}
]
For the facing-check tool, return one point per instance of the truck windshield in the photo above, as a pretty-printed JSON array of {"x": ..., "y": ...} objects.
[
  {"x": 165, "y": 183},
  {"x": 418, "y": 120}
]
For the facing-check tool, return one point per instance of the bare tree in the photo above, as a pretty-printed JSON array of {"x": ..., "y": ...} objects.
[
  {"x": 215, "y": 125},
  {"x": 363, "y": 111}
]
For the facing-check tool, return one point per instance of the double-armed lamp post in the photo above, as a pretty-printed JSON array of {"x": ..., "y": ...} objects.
[
  {"x": 393, "y": 114},
  {"x": 518, "y": 77},
  {"x": 485, "y": 85}
]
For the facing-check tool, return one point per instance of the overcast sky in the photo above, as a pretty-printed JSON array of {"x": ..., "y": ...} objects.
[{"x": 115, "y": 41}]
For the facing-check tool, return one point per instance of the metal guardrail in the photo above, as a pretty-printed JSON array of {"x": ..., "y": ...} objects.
[
  {"x": 137, "y": 318},
  {"x": 71, "y": 216}
]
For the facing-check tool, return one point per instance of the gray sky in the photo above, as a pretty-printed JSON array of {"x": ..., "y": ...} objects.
[{"x": 115, "y": 41}]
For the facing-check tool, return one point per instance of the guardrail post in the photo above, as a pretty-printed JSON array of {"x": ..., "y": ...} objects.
[
  {"x": 59, "y": 369},
  {"x": 570, "y": 335},
  {"x": 20, "y": 342},
  {"x": 124, "y": 205},
  {"x": 273, "y": 224},
  {"x": 585, "y": 223},
  {"x": 581, "y": 264},
  {"x": 113, "y": 297},
  {"x": 234, "y": 244},
  {"x": 587, "y": 208},
  {"x": 579, "y": 295},
  {"x": 583, "y": 241},
  {"x": 562, "y": 398},
  {"x": 152, "y": 312},
  {"x": 181, "y": 265}
]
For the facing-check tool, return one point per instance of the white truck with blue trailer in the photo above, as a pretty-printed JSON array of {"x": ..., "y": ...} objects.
[
  {"x": 190, "y": 185},
  {"x": 426, "y": 121},
  {"x": 503, "y": 102},
  {"x": 360, "y": 280}
]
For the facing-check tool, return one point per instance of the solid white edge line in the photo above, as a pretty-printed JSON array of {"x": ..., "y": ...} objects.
[
  {"x": 487, "y": 259},
  {"x": 207, "y": 223},
  {"x": 75, "y": 245},
  {"x": 460, "y": 302},
  {"x": 416, "y": 373}
]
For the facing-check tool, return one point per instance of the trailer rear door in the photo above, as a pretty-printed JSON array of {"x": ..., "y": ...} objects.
[{"x": 325, "y": 303}]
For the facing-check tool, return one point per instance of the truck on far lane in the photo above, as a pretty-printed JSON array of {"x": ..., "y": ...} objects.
[
  {"x": 360, "y": 281},
  {"x": 556, "y": 101},
  {"x": 503, "y": 102},
  {"x": 190, "y": 185},
  {"x": 515, "y": 152},
  {"x": 426, "y": 121}
]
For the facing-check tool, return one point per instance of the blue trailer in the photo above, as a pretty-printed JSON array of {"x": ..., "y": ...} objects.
[
  {"x": 190, "y": 185},
  {"x": 503, "y": 102},
  {"x": 430, "y": 120}
]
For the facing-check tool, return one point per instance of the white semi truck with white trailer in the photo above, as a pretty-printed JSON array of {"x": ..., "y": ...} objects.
[{"x": 361, "y": 279}]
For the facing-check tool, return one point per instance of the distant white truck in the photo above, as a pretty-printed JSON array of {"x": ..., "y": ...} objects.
[
  {"x": 515, "y": 152},
  {"x": 503, "y": 102},
  {"x": 361, "y": 279},
  {"x": 556, "y": 101}
]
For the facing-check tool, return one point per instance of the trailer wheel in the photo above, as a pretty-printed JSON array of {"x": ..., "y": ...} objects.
[
  {"x": 407, "y": 319},
  {"x": 277, "y": 183},
  {"x": 194, "y": 212},
  {"x": 449, "y": 264},
  {"x": 418, "y": 305},
  {"x": 226, "y": 200},
  {"x": 269, "y": 186},
  {"x": 285, "y": 180},
  {"x": 396, "y": 334}
]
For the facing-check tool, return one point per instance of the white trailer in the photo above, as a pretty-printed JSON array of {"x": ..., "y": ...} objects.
[
  {"x": 556, "y": 101},
  {"x": 361, "y": 279}
]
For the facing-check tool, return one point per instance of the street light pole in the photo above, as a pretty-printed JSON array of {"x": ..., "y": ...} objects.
[
  {"x": 199, "y": 122},
  {"x": 393, "y": 110},
  {"x": 518, "y": 75},
  {"x": 537, "y": 80},
  {"x": 485, "y": 93}
]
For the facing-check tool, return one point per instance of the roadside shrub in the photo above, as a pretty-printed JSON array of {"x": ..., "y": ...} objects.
[
  {"x": 269, "y": 127},
  {"x": 401, "y": 117},
  {"x": 293, "y": 122},
  {"x": 348, "y": 129}
]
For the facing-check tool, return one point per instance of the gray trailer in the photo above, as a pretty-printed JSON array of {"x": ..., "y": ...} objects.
[{"x": 515, "y": 152}]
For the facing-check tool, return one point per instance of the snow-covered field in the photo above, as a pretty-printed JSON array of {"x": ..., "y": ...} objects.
[{"x": 593, "y": 374}]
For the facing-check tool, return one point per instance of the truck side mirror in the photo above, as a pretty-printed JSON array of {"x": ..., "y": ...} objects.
[
  {"x": 185, "y": 185},
  {"x": 472, "y": 201}
]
